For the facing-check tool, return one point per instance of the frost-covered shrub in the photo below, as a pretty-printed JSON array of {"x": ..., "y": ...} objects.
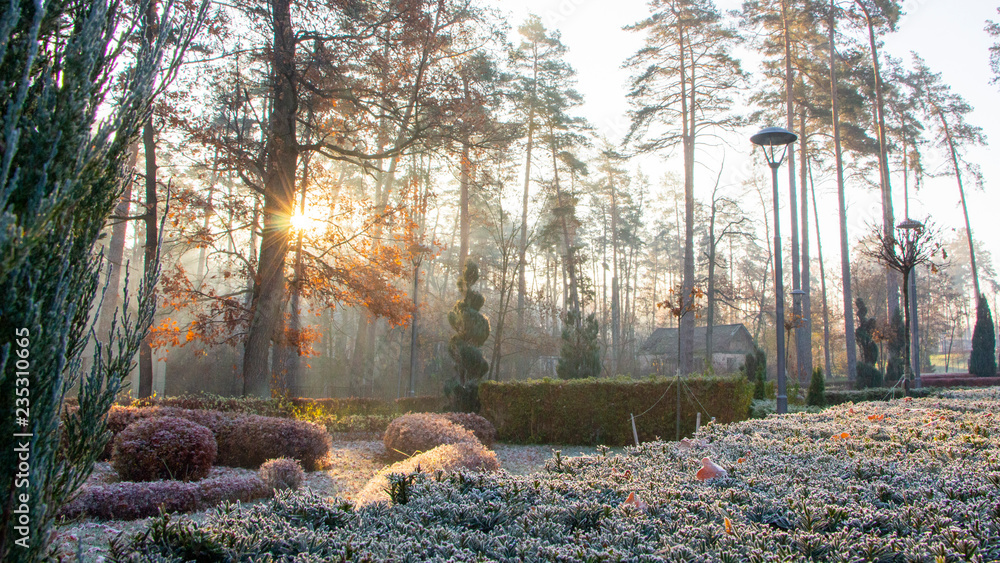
[
  {"x": 482, "y": 428},
  {"x": 282, "y": 473},
  {"x": 164, "y": 448},
  {"x": 131, "y": 500},
  {"x": 250, "y": 440},
  {"x": 244, "y": 440},
  {"x": 915, "y": 480},
  {"x": 470, "y": 456},
  {"x": 420, "y": 432}
]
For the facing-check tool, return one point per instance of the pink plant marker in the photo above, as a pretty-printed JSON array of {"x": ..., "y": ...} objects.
[
  {"x": 633, "y": 500},
  {"x": 709, "y": 470}
]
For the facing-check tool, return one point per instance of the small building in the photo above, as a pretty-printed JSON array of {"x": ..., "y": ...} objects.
[{"x": 730, "y": 343}]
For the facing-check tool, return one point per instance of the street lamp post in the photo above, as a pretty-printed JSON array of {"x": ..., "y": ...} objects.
[{"x": 770, "y": 139}]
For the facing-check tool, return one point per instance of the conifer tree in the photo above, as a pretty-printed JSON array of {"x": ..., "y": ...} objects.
[
  {"x": 580, "y": 356},
  {"x": 72, "y": 109},
  {"x": 983, "y": 360},
  {"x": 816, "y": 396}
]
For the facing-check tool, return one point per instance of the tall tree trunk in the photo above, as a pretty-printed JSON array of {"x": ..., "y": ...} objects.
[
  {"x": 961, "y": 192},
  {"x": 845, "y": 257},
  {"x": 152, "y": 233},
  {"x": 888, "y": 220},
  {"x": 116, "y": 256},
  {"x": 615, "y": 297},
  {"x": 685, "y": 332},
  {"x": 710, "y": 320},
  {"x": 293, "y": 354},
  {"x": 206, "y": 223},
  {"x": 149, "y": 254},
  {"x": 822, "y": 279},
  {"x": 793, "y": 207},
  {"x": 465, "y": 226},
  {"x": 569, "y": 261},
  {"x": 522, "y": 263},
  {"x": 281, "y": 160},
  {"x": 803, "y": 342}
]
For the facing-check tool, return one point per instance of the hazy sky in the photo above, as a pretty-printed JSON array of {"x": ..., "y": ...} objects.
[{"x": 948, "y": 34}]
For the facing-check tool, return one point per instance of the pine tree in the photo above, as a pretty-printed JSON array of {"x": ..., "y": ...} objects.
[
  {"x": 685, "y": 77},
  {"x": 816, "y": 397},
  {"x": 983, "y": 360},
  {"x": 472, "y": 328},
  {"x": 581, "y": 351}
]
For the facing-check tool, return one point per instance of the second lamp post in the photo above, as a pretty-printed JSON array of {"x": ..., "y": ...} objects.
[{"x": 772, "y": 139}]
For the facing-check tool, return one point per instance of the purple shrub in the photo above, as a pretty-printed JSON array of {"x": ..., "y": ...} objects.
[
  {"x": 132, "y": 500},
  {"x": 483, "y": 429},
  {"x": 282, "y": 473},
  {"x": 243, "y": 440},
  {"x": 164, "y": 448}
]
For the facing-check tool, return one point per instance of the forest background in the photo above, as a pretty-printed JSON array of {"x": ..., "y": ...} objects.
[{"x": 412, "y": 124}]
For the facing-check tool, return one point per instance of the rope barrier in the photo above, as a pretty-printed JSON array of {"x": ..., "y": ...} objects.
[{"x": 657, "y": 401}]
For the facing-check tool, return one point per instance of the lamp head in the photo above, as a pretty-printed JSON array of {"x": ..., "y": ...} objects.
[
  {"x": 771, "y": 137},
  {"x": 774, "y": 136}
]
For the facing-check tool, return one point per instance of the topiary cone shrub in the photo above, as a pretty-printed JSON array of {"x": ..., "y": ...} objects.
[
  {"x": 420, "y": 432},
  {"x": 983, "y": 360},
  {"x": 164, "y": 448},
  {"x": 472, "y": 328},
  {"x": 817, "y": 389}
]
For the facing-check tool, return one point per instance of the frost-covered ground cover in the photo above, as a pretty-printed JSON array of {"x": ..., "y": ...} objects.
[
  {"x": 349, "y": 467},
  {"x": 908, "y": 480}
]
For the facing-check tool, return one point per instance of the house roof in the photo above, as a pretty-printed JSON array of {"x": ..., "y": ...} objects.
[{"x": 729, "y": 339}]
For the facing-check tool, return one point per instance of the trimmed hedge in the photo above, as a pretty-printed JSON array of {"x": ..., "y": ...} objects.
[
  {"x": 596, "y": 411},
  {"x": 244, "y": 440},
  {"x": 423, "y": 403},
  {"x": 284, "y": 408},
  {"x": 958, "y": 380},
  {"x": 873, "y": 394},
  {"x": 131, "y": 500}
]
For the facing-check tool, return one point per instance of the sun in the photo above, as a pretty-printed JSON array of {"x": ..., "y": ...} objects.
[{"x": 303, "y": 222}]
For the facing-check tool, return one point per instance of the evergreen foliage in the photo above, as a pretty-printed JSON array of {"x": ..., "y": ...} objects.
[
  {"x": 816, "y": 395},
  {"x": 61, "y": 175},
  {"x": 983, "y": 360},
  {"x": 472, "y": 328},
  {"x": 865, "y": 334},
  {"x": 581, "y": 352},
  {"x": 868, "y": 376},
  {"x": 753, "y": 363},
  {"x": 896, "y": 347},
  {"x": 760, "y": 385}
]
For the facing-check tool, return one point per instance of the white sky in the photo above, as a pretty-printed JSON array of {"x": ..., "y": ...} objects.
[{"x": 950, "y": 39}]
